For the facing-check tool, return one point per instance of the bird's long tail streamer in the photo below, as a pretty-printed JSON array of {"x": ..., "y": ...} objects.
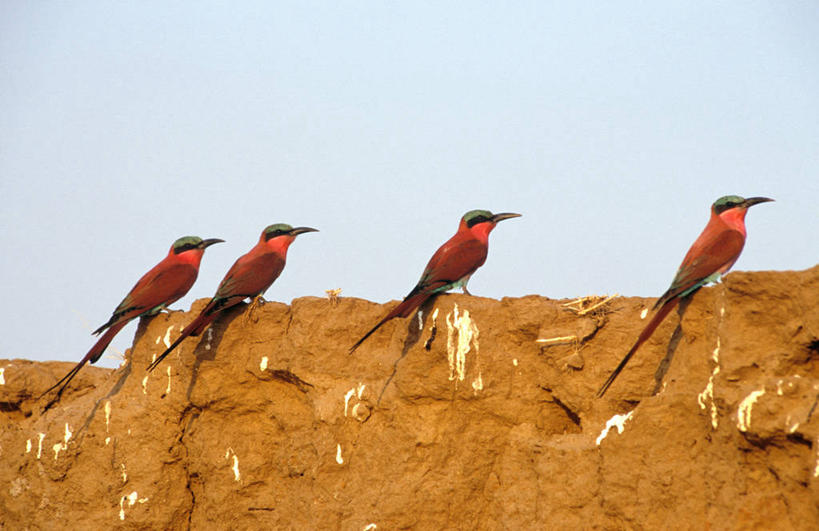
[
  {"x": 92, "y": 356},
  {"x": 405, "y": 309},
  {"x": 644, "y": 335},
  {"x": 196, "y": 327}
]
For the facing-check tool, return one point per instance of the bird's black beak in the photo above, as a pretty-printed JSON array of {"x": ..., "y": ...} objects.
[
  {"x": 751, "y": 201},
  {"x": 210, "y": 241},
  {"x": 504, "y": 215},
  {"x": 302, "y": 230}
]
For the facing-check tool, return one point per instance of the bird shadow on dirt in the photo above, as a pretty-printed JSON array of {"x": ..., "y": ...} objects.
[
  {"x": 142, "y": 327},
  {"x": 414, "y": 329},
  {"x": 209, "y": 342},
  {"x": 665, "y": 363}
]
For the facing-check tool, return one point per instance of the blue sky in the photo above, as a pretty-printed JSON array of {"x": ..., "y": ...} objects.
[{"x": 611, "y": 126}]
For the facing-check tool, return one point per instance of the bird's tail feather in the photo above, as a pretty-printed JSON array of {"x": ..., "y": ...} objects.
[
  {"x": 110, "y": 322},
  {"x": 93, "y": 355},
  {"x": 643, "y": 337},
  {"x": 405, "y": 309},
  {"x": 196, "y": 327}
]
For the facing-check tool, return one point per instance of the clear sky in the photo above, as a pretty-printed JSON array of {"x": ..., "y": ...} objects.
[{"x": 611, "y": 126}]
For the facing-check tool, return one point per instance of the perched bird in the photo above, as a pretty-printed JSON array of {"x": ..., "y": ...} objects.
[
  {"x": 711, "y": 256},
  {"x": 163, "y": 285},
  {"x": 451, "y": 265},
  {"x": 248, "y": 277}
]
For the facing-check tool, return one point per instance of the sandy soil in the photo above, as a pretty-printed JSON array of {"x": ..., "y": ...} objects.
[{"x": 269, "y": 423}]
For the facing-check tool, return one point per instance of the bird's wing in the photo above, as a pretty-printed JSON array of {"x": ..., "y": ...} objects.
[
  {"x": 160, "y": 286},
  {"x": 453, "y": 261},
  {"x": 708, "y": 255},
  {"x": 249, "y": 276}
]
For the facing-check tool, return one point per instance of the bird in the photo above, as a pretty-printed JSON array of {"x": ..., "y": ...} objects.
[
  {"x": 167, "y": 282},
  {"x": 451, "y": 265},
  {"x": 248, "y": 277},
  {"x": 712, "y": 255}
]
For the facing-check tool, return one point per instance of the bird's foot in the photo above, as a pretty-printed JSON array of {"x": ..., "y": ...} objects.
[{"x": 466, "y": 291}]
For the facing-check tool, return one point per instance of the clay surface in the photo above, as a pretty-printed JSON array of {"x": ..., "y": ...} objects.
[{"x": 267, "y": 423}]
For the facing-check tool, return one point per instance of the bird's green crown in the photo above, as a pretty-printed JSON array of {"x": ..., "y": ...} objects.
[
  {"x": 277, "y": 229},
  {"x": 473, "y": 217},
  {"x": 727, "y": 202},
  {"x": 186, "y": 243}
]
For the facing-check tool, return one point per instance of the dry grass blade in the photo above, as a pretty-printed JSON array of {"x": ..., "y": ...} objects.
[{"x": 588, "y": 304}]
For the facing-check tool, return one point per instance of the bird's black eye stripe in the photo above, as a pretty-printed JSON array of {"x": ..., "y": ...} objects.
[
  {"x": 186, "y": 247},
  {"x": 273, "y": 234},
  {"x": 477, "y": 219},
  {"x": 725, "y": 206}
]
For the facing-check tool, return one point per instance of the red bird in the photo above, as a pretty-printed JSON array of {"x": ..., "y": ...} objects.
[
  {"x": 711, "y": 256},
  {"x": 451, "y": 265},
  {"x": 163, "y": 285},
  {"x": 249, "y": 277}
]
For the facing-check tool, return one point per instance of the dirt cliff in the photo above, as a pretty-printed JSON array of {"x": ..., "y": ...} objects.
[{"x": 486, "y": 418}]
